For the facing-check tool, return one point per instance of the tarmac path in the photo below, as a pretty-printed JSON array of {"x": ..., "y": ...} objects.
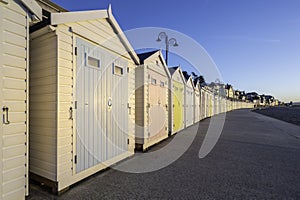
[{"x": 256, "y": 157}]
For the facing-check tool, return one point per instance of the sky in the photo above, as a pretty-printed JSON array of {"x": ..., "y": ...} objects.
[{"x": 254, "y": 43}]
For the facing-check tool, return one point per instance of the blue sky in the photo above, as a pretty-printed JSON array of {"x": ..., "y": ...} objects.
[{"x": 254, "y": 43}]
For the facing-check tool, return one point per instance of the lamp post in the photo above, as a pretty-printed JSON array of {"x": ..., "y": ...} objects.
[{"x": 168, "y": 42}]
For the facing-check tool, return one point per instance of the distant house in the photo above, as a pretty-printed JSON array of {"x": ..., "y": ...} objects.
[
  {"x": 237, "y": 94},
  {"x": 254, "y": 98},
  {"x": 229, "y": 91},
  {"x": 270, "y": 100},
  {"x": 262, "y": 101},
  {"x": 243, "y": 96},
  {"x": 240, "y": 95}
]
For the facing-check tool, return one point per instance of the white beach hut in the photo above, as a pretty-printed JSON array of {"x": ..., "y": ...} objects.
[
  {"x": 189, "y": 100},
  {"x": 82, "y": 96},
  {"x": 197, "y": 104},
  {"x": 152, "y": 79}
]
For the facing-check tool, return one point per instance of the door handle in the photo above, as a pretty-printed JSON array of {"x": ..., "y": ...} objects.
[
  {"x": 109, "y": 102},
  {"x": 5, "y": 115}
]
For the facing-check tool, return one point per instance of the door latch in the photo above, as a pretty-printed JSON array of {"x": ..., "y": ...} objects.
[
  {"x": 71, "y": 113},
  {"x": 5, "y": 115}
]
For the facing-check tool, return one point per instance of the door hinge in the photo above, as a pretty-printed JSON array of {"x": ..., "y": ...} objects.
[
  {"x": 75, "y": 159},
  {"x": 75, "y": 51},
  {"x": 127, "y": 141},
  {"x": 75, "y": 105}
]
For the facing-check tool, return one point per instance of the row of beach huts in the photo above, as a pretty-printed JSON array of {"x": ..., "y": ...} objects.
[{"x": 76, "y": 98}]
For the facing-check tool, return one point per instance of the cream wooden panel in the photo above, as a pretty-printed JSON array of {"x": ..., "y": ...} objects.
[
  {"x": 14, "y": 39},
  {"x": 1, "y": 100},
  {"x": 43, "y": 107},
  {"x": 13, "y": 48},
  {"x": 14, "y": 28}
]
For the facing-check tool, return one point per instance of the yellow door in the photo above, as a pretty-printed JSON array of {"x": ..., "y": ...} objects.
[{"x": 178, "y": 99}]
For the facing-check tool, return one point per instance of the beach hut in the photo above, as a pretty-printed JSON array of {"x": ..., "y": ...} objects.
[
  {"x": 189, "y": 100},
  {"x": 203, "y": 99},
  {"x": 196, "y": 101},
  {"x": 209, "y": 102},
  {"x": 16, "y": 17},
  {"x": 152, "y": 79},
  {"x": 216, "y": 98},
  {"x": 217, "y": 104},
  {"x": 176, "y": 100},
  {"x": 82, "y": 96}
]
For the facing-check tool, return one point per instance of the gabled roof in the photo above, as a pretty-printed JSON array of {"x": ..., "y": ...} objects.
[
  {"x": 196, "y": 84},
  {"x": 186, "y": 75},
  {"x": 252, "y": 93},
  {"x": 144, "y": 56},
  {"x": 172, "y": 71},
  {"x": 188, "y": 78},
  {"x": 228, "y": 86},
  {"x": 69, "y": 17}
]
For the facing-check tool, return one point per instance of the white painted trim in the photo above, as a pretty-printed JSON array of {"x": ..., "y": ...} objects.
[
  {"x": 122, "y": 36},
  {"x": 34, "y": 7},
  {"x": 27, "y": 108},
  {"x": 69, "y": 17},
  {"x": 165, "y": 64},
  {"x": 42, "y": 31},
  {"x": 4, "y": 1},
  {"x": 82, "y": 34},
  {"x": 181, "y": 74},
  {"x": 74, "y": 76},
  {"x": 159, "y": 54}
]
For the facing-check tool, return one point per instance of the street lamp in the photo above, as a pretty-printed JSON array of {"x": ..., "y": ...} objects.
[{"x": 168, "y": 42}]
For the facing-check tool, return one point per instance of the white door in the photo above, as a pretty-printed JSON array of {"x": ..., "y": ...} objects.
[
  {"x": 189, "y": 106},
  {"x": 101, "y": 103}
]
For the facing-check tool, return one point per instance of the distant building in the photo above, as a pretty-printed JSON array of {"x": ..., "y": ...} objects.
[
  {"x": 229, "y": 91},
  {"x": 269, "y": 100},
  {"x": 240, "y": 95},
  {"x": 254, "y": 98}
]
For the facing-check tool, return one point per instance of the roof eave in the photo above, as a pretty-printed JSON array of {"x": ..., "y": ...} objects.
[
  {"x": 69, "y": 17},
  {"x": 34, "y": 7},
  {"x": 122, "y": 36}
]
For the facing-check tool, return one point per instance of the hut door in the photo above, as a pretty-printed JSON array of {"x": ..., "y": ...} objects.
[
  {"x": 101, "y": 106},
  {"x": 178, "y": 106},
  {"x": 89, "y": 116},
  {"x": 157, "y": 106}
]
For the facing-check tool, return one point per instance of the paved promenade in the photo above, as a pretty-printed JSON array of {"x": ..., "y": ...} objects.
[{"x": 256, "y": 157}]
